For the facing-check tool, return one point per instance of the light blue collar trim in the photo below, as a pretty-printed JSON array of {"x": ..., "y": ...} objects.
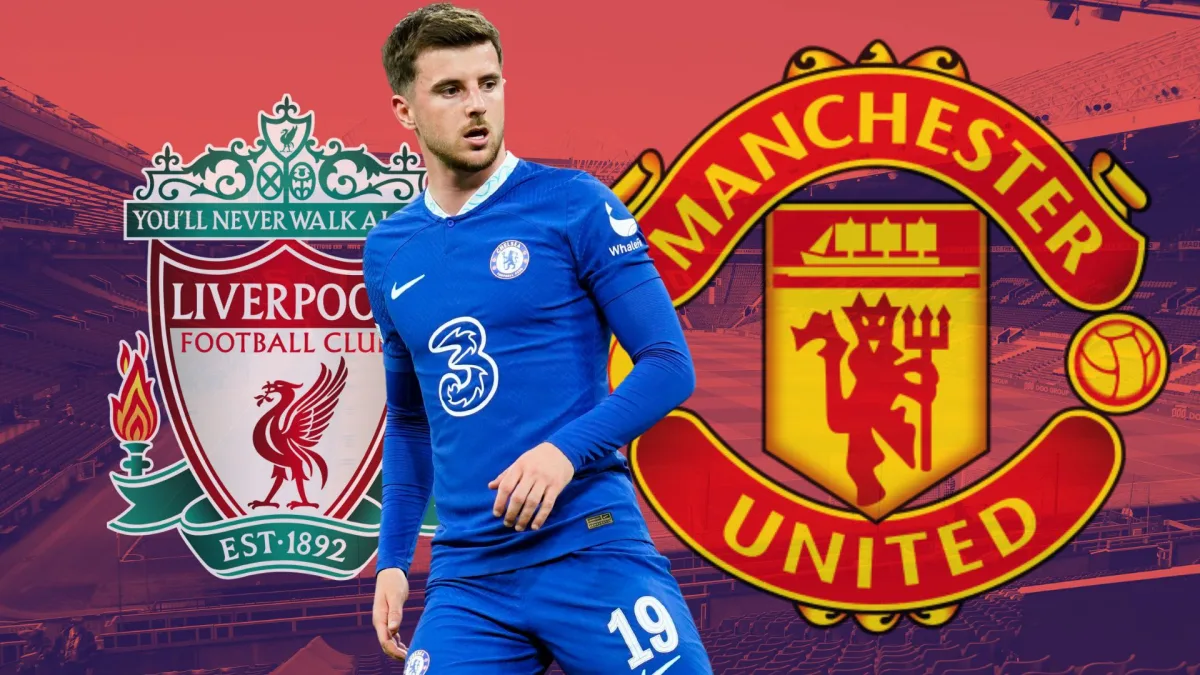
[{"x": 486, "y": 190}]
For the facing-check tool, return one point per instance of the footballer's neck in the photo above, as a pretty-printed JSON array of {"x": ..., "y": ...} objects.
[{"x": 452, "y": 188}]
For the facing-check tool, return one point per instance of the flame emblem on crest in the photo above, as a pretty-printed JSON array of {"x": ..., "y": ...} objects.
[{"x": 133, "y": 412}]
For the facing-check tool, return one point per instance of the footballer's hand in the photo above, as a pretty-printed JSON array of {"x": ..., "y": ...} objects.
[
  {"x": 391, "y": 590},
  {"x": 527, "y": 489}
]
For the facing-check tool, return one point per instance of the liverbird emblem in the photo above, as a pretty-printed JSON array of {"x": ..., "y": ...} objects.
[
  {"x": 286, "y": 435},
  {"x": 288, "y": 137}
]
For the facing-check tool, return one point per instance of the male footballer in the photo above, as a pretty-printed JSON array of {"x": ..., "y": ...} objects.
[{"x": 496, "y": 292}]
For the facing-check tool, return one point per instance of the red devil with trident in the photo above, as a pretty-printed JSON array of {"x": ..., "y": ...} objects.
[{"x": 880, "y": 378}]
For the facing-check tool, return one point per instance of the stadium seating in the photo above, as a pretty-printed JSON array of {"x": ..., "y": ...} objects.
[
  {"x": 1006, "y": 350},
  {"x": 983, "y": 638},
  {"x": 986, "y": 633},
  {"x": 16, "y": 484},
  {"x": 1064, "y": 322},
  {"x": 1006, "y": 316},
  {"x": 59, "y": 340},
  {"x": 1027, "y": 362},
  {"x": 126, "y": 278},
  {"x": 17, "y": 380},
  {"x": 37, "y": 290},
  {"x": 1002, "y": 290},
  {"x": 1177, "y": 330},
  {"x": 712, "y": 317},
  {"x": 234, "y": 670},
  {"x": 1191, "y": 379},
  {"x": 57, "y": 330},
  {"x": 745, "y": 283}
]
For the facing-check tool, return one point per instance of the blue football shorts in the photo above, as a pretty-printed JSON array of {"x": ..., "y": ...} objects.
[{"x": 609, "y": 609}]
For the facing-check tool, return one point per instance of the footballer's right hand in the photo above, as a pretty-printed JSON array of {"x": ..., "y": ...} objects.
[{"x": 391, "y": 591}]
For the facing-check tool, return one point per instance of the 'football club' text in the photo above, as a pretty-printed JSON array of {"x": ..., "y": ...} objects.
[{"x": 281, "y": 342}]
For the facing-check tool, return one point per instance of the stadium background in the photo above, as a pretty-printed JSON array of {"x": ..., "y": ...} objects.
[{"x": 1122, "y": 593}]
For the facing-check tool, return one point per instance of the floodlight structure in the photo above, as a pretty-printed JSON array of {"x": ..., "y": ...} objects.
[
  {"x": 1156, "y": 72},
  {"x": 1111, "y": 10}
]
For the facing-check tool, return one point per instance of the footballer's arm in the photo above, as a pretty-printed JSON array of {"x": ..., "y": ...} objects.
[
  {"x": 407, "y": 482},
  {"x": 407, "y": 469},
  {"x": 644, "y": 322},
  {"x": 629, "y": 291},
  {"x": 634, "y": 301}
]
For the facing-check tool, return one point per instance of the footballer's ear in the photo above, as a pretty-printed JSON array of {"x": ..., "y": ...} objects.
[{"x": 403, "y": 112}]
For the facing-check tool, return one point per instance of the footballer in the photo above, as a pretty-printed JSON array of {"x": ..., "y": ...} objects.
[{"x": 496, "y": 292}]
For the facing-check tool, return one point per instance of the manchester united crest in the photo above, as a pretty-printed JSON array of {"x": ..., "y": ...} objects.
[{"x": 876, "y": 341}]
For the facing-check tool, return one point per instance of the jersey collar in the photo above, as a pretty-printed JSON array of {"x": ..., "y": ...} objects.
[{"x": 486, "y": 190}]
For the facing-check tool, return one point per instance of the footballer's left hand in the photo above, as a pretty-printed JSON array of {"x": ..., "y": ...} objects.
[{"x": 531, "y": 484}]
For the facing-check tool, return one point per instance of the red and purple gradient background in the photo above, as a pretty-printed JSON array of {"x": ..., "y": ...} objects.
[
  {"x": 589, "y": 80},
  {"x": 584, "y": 80}
]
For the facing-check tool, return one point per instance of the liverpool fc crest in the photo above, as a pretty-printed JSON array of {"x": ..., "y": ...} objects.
[
  {"x": 268, "y": 362},
  {"x": 276, "y": 397}
]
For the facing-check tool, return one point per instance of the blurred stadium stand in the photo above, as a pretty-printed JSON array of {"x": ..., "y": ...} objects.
[
  {"x": 70, "y": 288},
  {"x": 1112, "y": 10},
  {"x": 1018, "y": 628}
]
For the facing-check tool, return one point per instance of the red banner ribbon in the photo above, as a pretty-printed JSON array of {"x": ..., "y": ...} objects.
[
  {"x": 800, "y": 131},
  {"x": 784, "y": 543}
]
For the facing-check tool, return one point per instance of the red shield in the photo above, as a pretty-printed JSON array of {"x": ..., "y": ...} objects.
[{"x": 269, "y": 364}]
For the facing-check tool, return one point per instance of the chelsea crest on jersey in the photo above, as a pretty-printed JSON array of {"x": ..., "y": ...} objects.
[{"x": 509, "y": 259}]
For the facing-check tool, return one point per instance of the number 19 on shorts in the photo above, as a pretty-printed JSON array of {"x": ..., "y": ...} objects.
[{"x": 652, "y": 617}]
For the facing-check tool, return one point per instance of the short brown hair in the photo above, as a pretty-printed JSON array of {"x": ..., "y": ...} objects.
[{"x": 439, "y": 25}]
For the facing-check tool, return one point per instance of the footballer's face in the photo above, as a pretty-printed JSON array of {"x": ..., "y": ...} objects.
[{"x": 456, "y": 106}]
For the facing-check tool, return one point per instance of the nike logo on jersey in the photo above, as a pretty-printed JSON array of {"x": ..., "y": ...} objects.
[
  {"x": 663, "y": 668},
  {"x": 397, "y": 291},
  {"x": 624, "y": 227}
]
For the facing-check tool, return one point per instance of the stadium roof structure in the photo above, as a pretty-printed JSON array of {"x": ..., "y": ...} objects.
[
  {"x": 98, "y": 209},
  {"x": 1144, "y": 84},
  {"x": 1149, "y": 84},
  {"x": 52, "y": 157},
  {"x": 37, "y": 130},
  {"x": 1111, "y": 10}
]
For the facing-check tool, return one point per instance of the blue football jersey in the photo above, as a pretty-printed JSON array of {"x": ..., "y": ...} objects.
[{"x": 500, "y": 312}]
